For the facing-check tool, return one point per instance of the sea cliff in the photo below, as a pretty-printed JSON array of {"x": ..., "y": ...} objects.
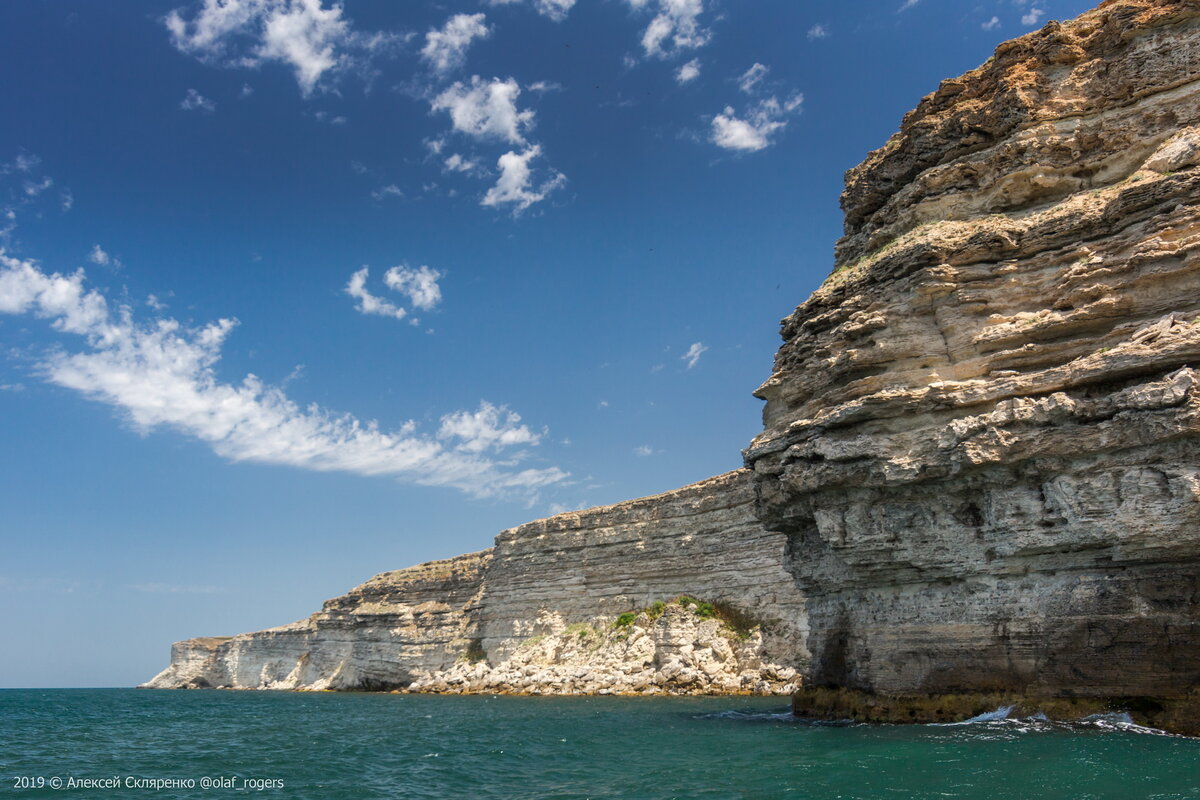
[
  {"x": 981, "y": 433},
  {"x": 979, "y": 474},
  {"x": 682, "y": 593}
]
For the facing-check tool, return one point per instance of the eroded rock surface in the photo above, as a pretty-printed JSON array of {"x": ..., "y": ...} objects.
[
  {"x": 541, "y": 612},
  {"x": 981, "y": 434}
]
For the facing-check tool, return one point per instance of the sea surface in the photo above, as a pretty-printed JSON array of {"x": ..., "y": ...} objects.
[{"x": 339, "y": 746}]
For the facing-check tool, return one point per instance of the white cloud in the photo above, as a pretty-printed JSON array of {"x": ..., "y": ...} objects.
[
  {"x": 486, "y": 109},
  {"x": 515, "y": 185},
  {"x": 325, "y": 116},
  {"x": 643, "y": 451},
  {"x": 817, "y": 31},
  {"x": 489, "y": 428},
  {"x": 420, "y": 285},
  {"x": 247, "y": 90},
  {"x": 313, "y": 40},
  {"x": 556, "y": 10},
  {"x": 369, "y": 303},
  {"x": 763, "y": 120},
  {"x": 34, "y": 188},
  {"x": 751, "y": 77},
  {"x": 197, "y": 102},
  {"x": 446, "y": 49},
  {"x": 68, "y": 200},
  {"x": 675, "y": 28},
  {"x": 693, "y": 354},
  {"x": 1030, "y": 19},
  {"x": 456, "y": 163},
  {"x": 163, "y": 375},
  {"x": 544, "y": 86},
  {"x": 688, "y": 72},
  {"x": 991, "y": 24},
  {"x": 25, "y": 163},
  {"x": 391, "y": 190},
  {"x": 98, "y": 256},
  {"x": 907, "y": 5}
]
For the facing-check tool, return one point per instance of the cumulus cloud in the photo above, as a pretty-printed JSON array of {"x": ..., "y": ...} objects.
[
  {"x": 643, "y": 450},
  {"x": 1031, "y": 18},
  {"x": 755, "y": 130},
  {"x": 991, "y": 24},
  {"x": 514, "y": 187},
  {"x": 688, "y": 72},
  {"x": 369, "y": 303},
  {"x": 420, "y": 285},
  {"x": 817, "y": 31},
  {"x": 197, "y": 102},
  {"x": 489, "y": 428},
  {"x": 313, "y": 40},
  {"x": 674, "y": 28},
  {"x": 162, "y": 374},
  {"x": 486, "y": 109},
  {"x": 446, "y": 49},
  {"x": 692, "y": 356}
]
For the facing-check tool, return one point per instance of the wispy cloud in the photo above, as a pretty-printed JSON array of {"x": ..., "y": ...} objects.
[
  {"x": 692, "y": 356},
  {"x": 991, "y": 24},
  {"x": 1032, "y": 17},
  {"x": 194, "y": 101},
  {"x": 752, "y": 77},
  {"x": 102, "y": 258},
  {"x": 675, "y": 27},
  {"x": 818, "y": 31},
  {"x": 390, "y": 190},
  {"x": 556, "y": 10},
  {"x": 162, "y": 374}
]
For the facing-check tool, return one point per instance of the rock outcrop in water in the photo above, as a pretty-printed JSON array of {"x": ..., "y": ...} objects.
[
  {"x": 982, "y": 434},
  {"x": 541, "y": 612},
  {"x": 979, "y": 476}
]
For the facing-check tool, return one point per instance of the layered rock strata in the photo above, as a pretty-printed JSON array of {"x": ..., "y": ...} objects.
[
  {"x": 542, "y": 612},
  {"x": 982, "y": 433}
]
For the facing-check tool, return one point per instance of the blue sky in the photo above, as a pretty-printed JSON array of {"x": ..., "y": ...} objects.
[{"x": 295, "y": 293}]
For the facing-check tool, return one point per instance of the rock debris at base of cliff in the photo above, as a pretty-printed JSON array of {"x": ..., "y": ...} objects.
[{"x": 979, "y": 473}]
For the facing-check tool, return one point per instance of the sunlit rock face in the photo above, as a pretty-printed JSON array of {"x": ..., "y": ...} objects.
[
  {"x": 981, "y": 433},
  {"x": 541, "y": 612},
  {"x": 377, "y": 636}
]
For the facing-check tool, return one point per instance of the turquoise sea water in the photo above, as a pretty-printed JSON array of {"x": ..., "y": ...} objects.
[{"x": 335, "y": 746}]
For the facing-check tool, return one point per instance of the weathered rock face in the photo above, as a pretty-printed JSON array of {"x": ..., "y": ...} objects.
[
  {"x": 542, "y": 612},
  {"x": 982, "y": 434},
  {"x": 378, "y": 636}
]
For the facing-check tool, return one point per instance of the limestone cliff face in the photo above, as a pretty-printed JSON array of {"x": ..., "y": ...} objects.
[
  {"x": 541, "y": 612},
  {"x": 982, "y": 434},
  {"x": 378, "y": 636}
]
